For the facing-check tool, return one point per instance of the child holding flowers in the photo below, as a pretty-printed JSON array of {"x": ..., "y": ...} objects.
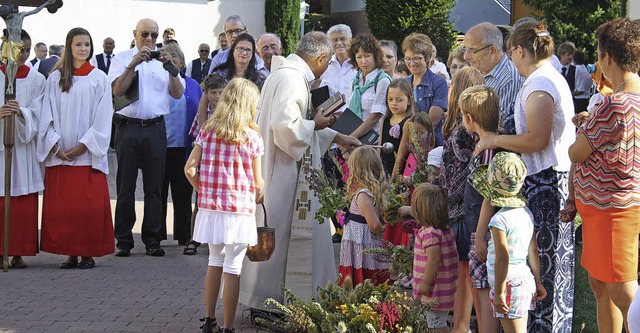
[
  {"x": 363, "y": 225},
  {"x": 400, "y": 108},
  {"x": 228, "y": 141},
  {"x": 412, "y": 162},
  {"x": 512, "y": 243},
  {"x": 435, "y": 262}
]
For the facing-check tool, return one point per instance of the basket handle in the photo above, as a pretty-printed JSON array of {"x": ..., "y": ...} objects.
[{"x": 264, "y": 209}]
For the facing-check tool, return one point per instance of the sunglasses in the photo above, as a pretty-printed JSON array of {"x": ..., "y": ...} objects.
[
  {"x": 146, "y": 34},
  {"x": 206, "y": 51}
]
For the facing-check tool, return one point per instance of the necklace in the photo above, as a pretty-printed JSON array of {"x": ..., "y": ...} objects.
[{"x": 625, "y": 81}]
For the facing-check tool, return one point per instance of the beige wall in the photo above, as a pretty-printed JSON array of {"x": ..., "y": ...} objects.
[{"x": 195, "y": 21}]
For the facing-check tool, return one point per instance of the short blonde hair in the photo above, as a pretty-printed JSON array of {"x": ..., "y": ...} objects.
[
  {"x": 483, "y": 104},
  {"x": 235, "y": 111}
]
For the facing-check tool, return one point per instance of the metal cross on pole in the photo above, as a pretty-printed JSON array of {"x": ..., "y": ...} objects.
[{"x": 11, "y": 48}]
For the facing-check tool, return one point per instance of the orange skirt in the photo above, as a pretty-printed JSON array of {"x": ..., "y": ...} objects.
[{"x": 610, "y": 242}]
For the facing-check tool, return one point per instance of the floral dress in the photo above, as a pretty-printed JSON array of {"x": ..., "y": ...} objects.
[
  {"x": 456, "y": 156},
  {"x": 356, "y": 238}
]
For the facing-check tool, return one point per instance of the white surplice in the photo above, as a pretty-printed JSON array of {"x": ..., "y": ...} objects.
[
  {"x": 303, "y": 257},
  {"x": 81, "y": 115},
  {"x": 26, "y": 173}
]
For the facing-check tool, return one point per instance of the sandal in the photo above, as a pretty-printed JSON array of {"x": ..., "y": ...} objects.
[
  {"x": 191, "y": 249},
  {"x": 209, "y": 325}
]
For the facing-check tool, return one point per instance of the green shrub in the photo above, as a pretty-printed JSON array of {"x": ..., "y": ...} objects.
[
  {"x": 282, "y": 17},
  {"x": 396, "y": 19}
]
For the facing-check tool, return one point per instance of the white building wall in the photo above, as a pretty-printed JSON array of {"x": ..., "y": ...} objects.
[
  {"x": 195, "y": 21},
  {"x": 634, "y": 9}
]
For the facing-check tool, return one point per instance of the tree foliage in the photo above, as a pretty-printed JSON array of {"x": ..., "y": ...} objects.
[
  {"x": 282, "y": 17},
  {"x": 396, "y": 19},
  {"x": 576, "y": 20}
]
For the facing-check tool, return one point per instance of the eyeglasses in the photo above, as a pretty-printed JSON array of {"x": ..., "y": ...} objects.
[
  {"x": 241, "y": 50},
  {"x": 146, "y": 34},
  {"x": 465, "y": 50},
  {"x": 414, "y": 59},
  {"x": 235, "y": 31},
  {"x": 205, "y": 51},
  {"x": 339, "y": 39},
  {"x": 513, "y": 49}
]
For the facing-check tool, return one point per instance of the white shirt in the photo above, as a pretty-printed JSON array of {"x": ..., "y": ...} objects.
[
  {"x": 94, "y": 61},
  {"x": 556, "y": 154},
  {"x": 81, "y": 115},
  {"x": 439, "y": 67},
  {"x": 340, "y": 76},
  {"x": 26, "y": 173},
  {"x": 34, "y": 66},
  {"x": 583, "y": 82},
  {"x": 556, "y": 63},
  {"x": 153, "y": 86},
  {"x": 374, "y": 99}
]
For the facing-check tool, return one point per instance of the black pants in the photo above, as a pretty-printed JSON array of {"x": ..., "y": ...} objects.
[
  {"x": 139, "y": 146},
  {"x": 181, "y": 192}
]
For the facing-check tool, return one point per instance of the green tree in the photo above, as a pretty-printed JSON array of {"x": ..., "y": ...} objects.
[
  {"x": 282, "y": 17},
  {"x": 576, "y": 20},
  {"x": 396, "y": 19}
]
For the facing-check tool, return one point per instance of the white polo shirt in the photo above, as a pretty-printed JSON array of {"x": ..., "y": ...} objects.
[{"x": 153, "y": 86}]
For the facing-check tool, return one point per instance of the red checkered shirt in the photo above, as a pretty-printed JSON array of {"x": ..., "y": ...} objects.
[{"x": 226, "y": 177}]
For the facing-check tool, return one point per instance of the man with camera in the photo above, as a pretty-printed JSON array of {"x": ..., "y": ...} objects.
[{"x": 147, "y": 78}]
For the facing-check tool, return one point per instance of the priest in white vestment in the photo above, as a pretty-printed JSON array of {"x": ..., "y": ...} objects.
[{"x": 294, "y": 140}]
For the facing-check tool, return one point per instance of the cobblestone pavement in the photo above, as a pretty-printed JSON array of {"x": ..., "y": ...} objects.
[{"x": 135, "y": 294}]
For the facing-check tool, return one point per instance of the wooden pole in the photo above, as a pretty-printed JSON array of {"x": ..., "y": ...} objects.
[{"x": 8, "y": 141}]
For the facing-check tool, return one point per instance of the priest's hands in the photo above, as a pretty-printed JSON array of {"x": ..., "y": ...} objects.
[{"x": 347, "y": 141}]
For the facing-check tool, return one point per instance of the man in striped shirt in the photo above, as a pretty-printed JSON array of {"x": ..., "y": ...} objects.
[{"x": 483, "y": 50}]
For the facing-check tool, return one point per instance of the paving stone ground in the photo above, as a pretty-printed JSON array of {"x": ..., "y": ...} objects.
[{"x": 135, "y": 294}]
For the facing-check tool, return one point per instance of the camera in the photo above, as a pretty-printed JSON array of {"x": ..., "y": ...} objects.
[{"x": 154, "y": 54}]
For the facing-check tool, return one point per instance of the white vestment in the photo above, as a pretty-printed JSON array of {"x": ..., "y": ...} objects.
[
  {"x": 26, "y": 173},
  {"x": 303, "y": 257}
]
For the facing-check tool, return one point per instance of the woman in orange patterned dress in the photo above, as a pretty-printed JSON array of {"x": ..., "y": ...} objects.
[{"x": 607, "y": 181}]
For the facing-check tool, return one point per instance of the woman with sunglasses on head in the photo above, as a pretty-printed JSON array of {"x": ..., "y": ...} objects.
[
  {"x": 242, "y": 62},
  {"x": 73, "y": 140},
  {"x": 429, "y": 90},
  {"x": 542, "y": 112}
]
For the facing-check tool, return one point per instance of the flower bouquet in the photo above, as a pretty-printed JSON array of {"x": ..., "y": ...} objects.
[
  {"x": 363, "y": 308},
  {"x": 330, "y": 195},
  {"x": 399, "y": 257},
  {"x": 397, "y": 196}
]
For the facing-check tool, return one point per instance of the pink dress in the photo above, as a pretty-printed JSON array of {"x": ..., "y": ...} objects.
[{"x": 444, "y": 286}]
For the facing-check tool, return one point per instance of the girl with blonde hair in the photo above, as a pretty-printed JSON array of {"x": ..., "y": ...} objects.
[
  {"x": 227, "y": 152},
  {"x": 363, "y": 226}
]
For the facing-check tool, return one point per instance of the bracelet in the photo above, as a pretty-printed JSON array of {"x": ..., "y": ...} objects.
[
  {"x": 335, "y": 119},
  {"x": 127, "y": 67},
  {"x": 56, "y": 152}
]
